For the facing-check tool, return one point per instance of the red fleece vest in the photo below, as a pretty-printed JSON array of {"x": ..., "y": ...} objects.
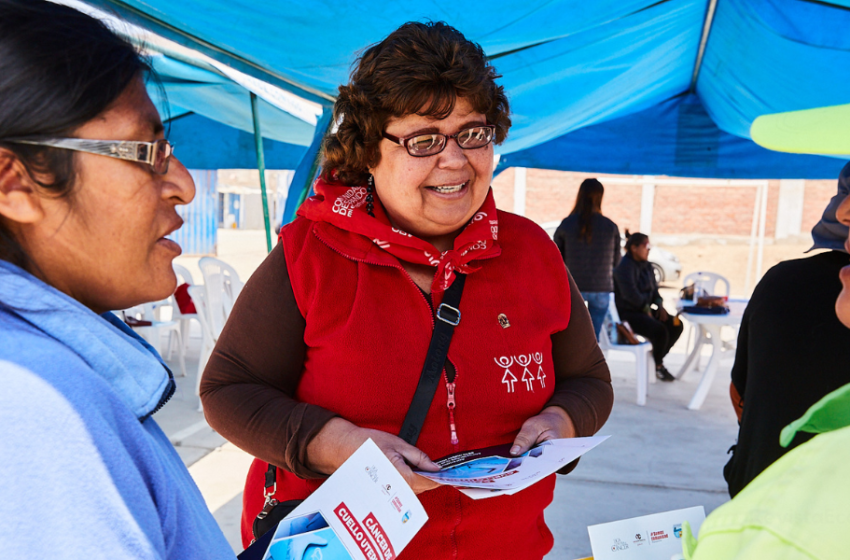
[{"x": 368, "y": 330}]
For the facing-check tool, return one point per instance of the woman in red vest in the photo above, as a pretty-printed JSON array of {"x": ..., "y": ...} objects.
[{"x": 325, "y": 346}]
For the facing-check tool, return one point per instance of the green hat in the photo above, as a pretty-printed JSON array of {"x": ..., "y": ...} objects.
[
  {"x": 830, "y": 413},
  {"x": 825, "y": 130}
]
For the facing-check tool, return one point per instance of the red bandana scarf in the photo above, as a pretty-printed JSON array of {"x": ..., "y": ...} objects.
[{"x": 345, "y": 208}]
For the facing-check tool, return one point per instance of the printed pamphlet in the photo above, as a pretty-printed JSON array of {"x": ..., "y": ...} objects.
[
  {"x": 365, "y": 510},
  {"x": 492, "y": 471}
]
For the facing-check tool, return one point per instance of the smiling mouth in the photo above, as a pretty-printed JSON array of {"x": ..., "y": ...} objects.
[{"x": 448, "y": 189}]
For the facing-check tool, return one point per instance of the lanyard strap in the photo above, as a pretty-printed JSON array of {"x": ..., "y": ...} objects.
[{"x": 447, "y": 318}]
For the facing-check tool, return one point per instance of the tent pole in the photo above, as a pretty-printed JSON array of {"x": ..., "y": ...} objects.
[
  {"x": 706, "y": 30},
  {"x": 261, "y": 165},
  {"x": 753, "y": 233},
  {"x": 762, "y": 220}
]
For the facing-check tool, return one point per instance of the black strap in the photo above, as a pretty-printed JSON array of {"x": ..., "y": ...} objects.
[{"x": 446, "y": 319}]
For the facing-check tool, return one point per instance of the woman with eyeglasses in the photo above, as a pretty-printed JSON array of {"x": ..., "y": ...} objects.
[
  {"x": 88, "y": 190},
  {"x": 325, "y": 346}
]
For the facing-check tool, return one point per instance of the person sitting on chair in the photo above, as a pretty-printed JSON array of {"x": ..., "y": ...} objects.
[{"x": 639, "y": 303}]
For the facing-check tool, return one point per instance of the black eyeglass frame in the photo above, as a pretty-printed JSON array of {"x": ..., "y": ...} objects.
[
  {"x": 404, "y": 141},
  {"x": 128, "y": 150}
]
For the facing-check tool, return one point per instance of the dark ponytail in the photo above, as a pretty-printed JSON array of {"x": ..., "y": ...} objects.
[
  {"x": 588, "y": 203},
  {"x": 59, "y": 69}
]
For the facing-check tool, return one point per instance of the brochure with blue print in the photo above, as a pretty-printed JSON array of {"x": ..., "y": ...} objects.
[
  {"x": 488, "y": 472},
  {"x": 365, "y": 510}
]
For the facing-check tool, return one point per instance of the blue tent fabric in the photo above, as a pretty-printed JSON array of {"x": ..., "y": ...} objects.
[
  {"x": 568, "y": 65},
  {"x": 205, "y": 93},
  {"x": 202, "y": 143},
  {"x": 681, "y": 139}
]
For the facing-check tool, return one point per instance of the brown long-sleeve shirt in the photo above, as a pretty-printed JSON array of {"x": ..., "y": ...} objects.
[{"x": 249, "y": 384}]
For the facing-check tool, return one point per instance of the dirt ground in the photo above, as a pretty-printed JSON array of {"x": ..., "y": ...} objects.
[{"x": 731, "y": 261}]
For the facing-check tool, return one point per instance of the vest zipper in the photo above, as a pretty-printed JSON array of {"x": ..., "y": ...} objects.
[{"x": 451, "y": 405}]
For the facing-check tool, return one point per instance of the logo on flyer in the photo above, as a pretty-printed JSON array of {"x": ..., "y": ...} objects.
[
  {"x": 677, "y": 530},
  {"x": 372, "y": 471},
  {"x": 406, "y": 517},
  {"x": 639, "y": 539},
  {"x": 619, "y": 545},
  {"x": 658, "y": 536}
]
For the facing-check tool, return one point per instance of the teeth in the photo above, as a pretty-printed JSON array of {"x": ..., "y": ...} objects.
[{"x": 449, "y": 188}]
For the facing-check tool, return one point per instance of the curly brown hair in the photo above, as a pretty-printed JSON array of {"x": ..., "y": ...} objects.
[{"x": 419, "y": 68}]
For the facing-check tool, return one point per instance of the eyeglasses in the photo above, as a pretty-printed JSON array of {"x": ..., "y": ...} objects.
[
  {"x": 157, "y": 154},
  {"x": 424, "y": 145}
]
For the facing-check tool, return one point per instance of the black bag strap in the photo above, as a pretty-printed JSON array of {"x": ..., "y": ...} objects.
[{"x": 446, "y": 319}]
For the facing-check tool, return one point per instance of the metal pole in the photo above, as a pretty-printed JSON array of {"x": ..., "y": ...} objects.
[
  {"x": 261, "y": 165},
  {"x": 762, "y": 220},
  {"x": 753, "y": 234}
]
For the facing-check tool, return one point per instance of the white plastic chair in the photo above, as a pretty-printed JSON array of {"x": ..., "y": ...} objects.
[
  {"x": 705, "y": 284},
  {"x": 209, "y": 335},
  {"x": 221, "y": 288},
  {"x": 185, "y": 319},
  {"x": 644, "y": 362},
  {"x": 153, "y": 333}
]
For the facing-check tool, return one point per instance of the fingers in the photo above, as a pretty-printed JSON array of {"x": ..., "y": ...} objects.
[
  {"x": 418, "y": 458},
  {"x": 417, "y": 483},
  {"x": 526, "y": 437}
]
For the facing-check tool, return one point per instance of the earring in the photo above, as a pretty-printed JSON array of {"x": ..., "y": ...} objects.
[{"x": 370, "y": 201}]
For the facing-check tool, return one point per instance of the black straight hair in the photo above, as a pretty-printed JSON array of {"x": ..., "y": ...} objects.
[
  {"x": 59, "y": 69},
  {"x": 588, "y": 203}
]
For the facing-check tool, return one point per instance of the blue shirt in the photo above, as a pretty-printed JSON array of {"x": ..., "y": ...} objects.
[{"x": 85, "y": 472}]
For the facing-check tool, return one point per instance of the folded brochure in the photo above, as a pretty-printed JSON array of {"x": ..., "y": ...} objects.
[
  {"x": 492, "y": 471},
  {"x": 365, "y": 510}
]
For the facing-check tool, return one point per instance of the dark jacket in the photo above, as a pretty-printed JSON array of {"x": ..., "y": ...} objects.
[
  {"x": 792, "y": 351},
  {"x": 591, "y": 264},
  {"x": 635, "y": 288}
]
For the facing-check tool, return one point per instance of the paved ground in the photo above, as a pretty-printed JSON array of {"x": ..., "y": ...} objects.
[{"x": 660, "y": 457}]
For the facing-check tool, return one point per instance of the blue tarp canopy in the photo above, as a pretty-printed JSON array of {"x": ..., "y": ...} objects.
[{"x": 665, "y": 87}]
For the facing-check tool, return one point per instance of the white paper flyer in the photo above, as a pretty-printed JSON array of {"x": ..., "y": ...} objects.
[
  {"x": 492, "y": 471},
  {"x": 365, "y": 510},
  {"x": 650, "y": 537}
]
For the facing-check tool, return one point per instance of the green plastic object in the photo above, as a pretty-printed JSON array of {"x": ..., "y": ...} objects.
[
  {"x": 830, "y": 413},
  {"x": 814, "y": 131}
]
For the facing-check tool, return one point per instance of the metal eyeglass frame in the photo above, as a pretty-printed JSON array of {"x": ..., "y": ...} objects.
[
  {"x": 403, "y": 141},
  {"x": 128, "y": 150}
]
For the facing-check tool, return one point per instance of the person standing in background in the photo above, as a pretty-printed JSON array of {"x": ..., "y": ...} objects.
[
  {"x": 783, "y": 367},
  {"x": 590, "y": 245}
]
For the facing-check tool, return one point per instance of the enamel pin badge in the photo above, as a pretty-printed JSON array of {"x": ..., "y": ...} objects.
[{"x": 503, "y": 320}]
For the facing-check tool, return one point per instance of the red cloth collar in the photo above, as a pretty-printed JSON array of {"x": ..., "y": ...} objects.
[{"x": 345, "y": 207}]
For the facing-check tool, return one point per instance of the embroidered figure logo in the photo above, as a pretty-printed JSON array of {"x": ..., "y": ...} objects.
[
  {"x": 541, "y": 375},
  {"x": 527, "y": 376},
  {"x": 503, "y": 320},
  {"x": 508, "y": 378},
  {"x": 523, "y": 361}
]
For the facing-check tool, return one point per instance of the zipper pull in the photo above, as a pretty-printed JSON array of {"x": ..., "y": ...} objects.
[{"x": 451, "y": 406}]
